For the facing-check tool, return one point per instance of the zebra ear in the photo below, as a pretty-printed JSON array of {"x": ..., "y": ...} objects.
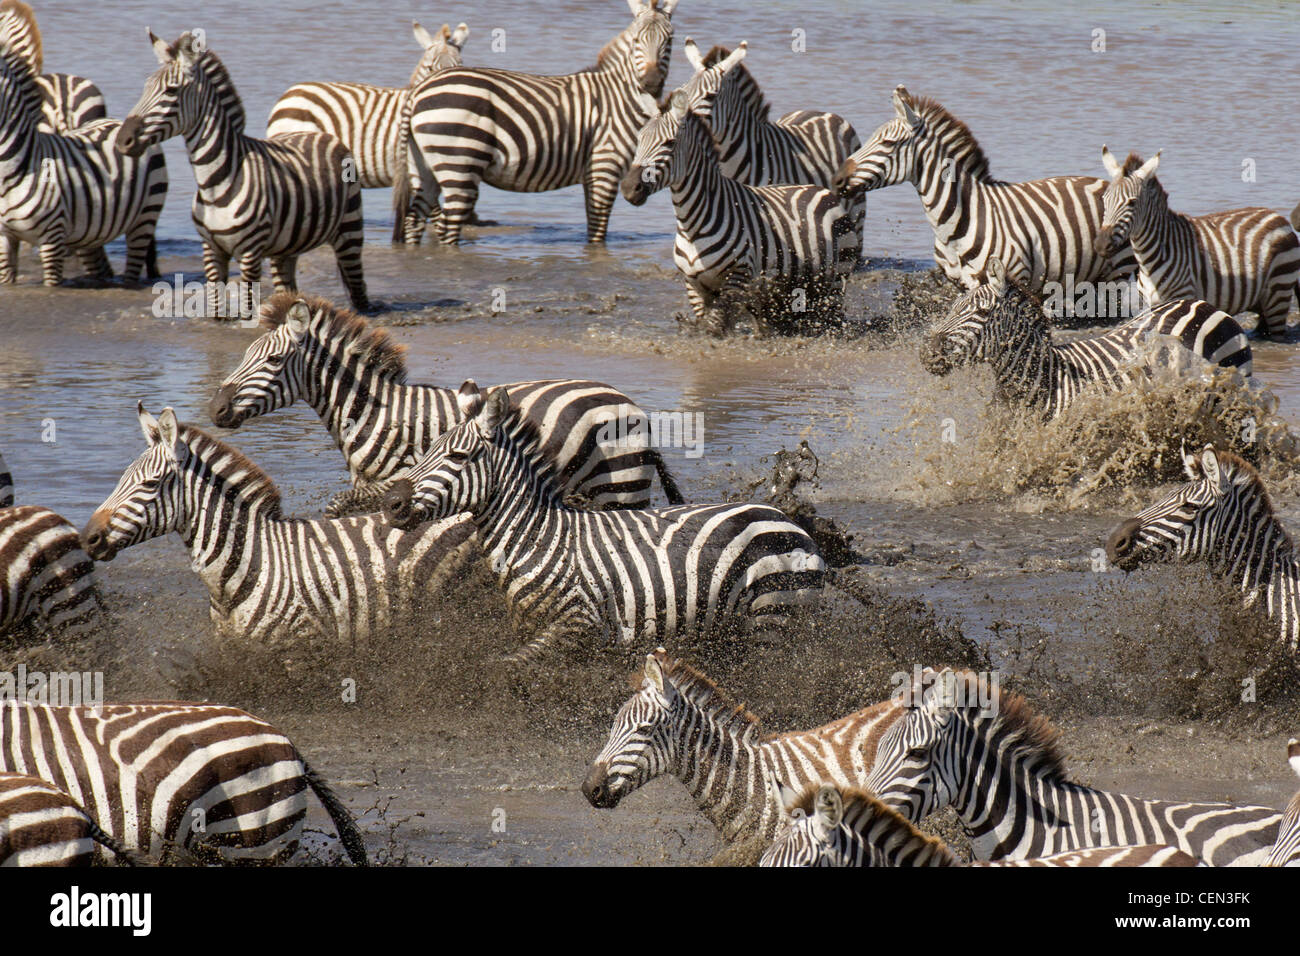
[
  {"x": 1293, "y": 755},
  {"x": 469, "y": 399},
  {"x": 788, "y": 796},
  {"x": 169, "y": 432},
  {"x": 1148, "y": 168},
  {"x": 995, "y": 273},
  {"x": 148, "y": 424},
  {"x": 693, "y": 55},
  {"x": 1113, "y": 168},
  {"x": 654, "y": 673},
  {"x": 636, "y": 6},
  {"x": 160, "y": 48},
  {"x": 903, "y": 107},
  {"x": 459, "y": 35},
  {"x": 297, "y": 317},
  {"x": 423, "y": 36},
  {"x": 668, "y": 7},
  {"x": 828, "y": 811},
  {"x": 494, "y": 410},
  {"x": 186, "y": 54},
  {"x": 1191, "y": 464},
  {"x": 1210, "y": 467}
]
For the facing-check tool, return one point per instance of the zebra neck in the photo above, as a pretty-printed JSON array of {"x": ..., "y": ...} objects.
[
  {"x": 216, "y": 144},
  {"x": 949, "y": 190},
  {"x": 1028, "y": 367},
  {"x": 18, "y": 138},
  {"x": 1284, "y": 598},
  {"x": 698, "y": 185},
  {"x": 884, "y": 838},
  {"x": 1158, "y": 232},
  {"x": 225, "y": 532},
  {"x": 723, "y": 771},
  {"x": 524, "y": 525}
]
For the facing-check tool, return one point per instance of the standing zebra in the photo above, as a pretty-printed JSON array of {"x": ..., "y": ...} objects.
[
  {"x": 801, "y": 147},
  {"x": 257, "y": 198},
  {"x": 1239, "y": 260},
  {"x": 782, "y": 253},
  {"x": 70, "y": 193},
  {"x": 1223, "y": 517},
  {"x": 272, "y": 578},
  {"x": 644, "y": 575},
  {"x": 355, "y": 378},
  {"x": 40, "y": 825},
  {"x": 528, "y": 133},
  {"x": 996, "y": 763},
  {"x": 68, "y": 102},
  {"x": 680, "y": 722},
  {"x": 173, "y": 780},
  {"x": 1043, "y": 231},
  {"x": 827, "y": 826},
  {"x": 1004, "y": 324},
  {"x": 1286, "y": 851},
  {"x": 372, "y": 121},
  {"x": 47, "y": 583}
]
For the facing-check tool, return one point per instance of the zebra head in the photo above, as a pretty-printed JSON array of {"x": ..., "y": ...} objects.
[
  {"x": 173, "y": 96},
  {"x": 643, "y": 742},
  {"x": 456, "y": 474},
  {"x": 814, "y": 838},
  {"x": 642, "y": 51},
  {"x": 908, "y": 770},
  {"x": 273, "y": 372},
  {"x": 1131, "y": 189},
  {"x": 149, "y": 499},
  {"x": 889, "y": 156},
  {"x": 441, "y": 50},
  {"x": 971, "y": 326}
]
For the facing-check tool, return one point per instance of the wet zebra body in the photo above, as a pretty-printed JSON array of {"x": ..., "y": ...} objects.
[
  {"x": 780, "y": 253},
  {"x": 527, "y": 133},
  {"x": 679, "y": 722},
  {"x": 828, "y": 826},
  {"x": 1002, "y": 323},
  {"x": 612, "y": 577},
  {"x": 1223, "y": 517},
  {"x": 1286, "y": 851},
  {"x": 40, "y": 825},
  {"x": 270, "y": 578},
  {"x": 996, "y": 763},
  {"x": 355, "y": 379},
  {"x": 174, "y": 781},
  {"x": 275, "y": 198},
  {"x": 1239, "y": 260},
  {"x": 1042, "y": 231}
]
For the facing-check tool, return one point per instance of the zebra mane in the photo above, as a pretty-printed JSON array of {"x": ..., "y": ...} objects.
[
  {"x": 747, "y": 87},
  {"x": 1244, "y": 473},
  {"x": 251, "y": 484},
  {"x": 524, "y": 435},
  {"x": 862, "y": 808},
  {"x": 1132, "y": 163},
  {"x": 18, "y": 24},
  {"x": 711, "y": 700},
  {"x": 1031, "y": 734},
  {"x": 1036, "y": 308},
  {"x": 963, "y": 142},
  {"x": 373, "y": 346},
  {"x": 216, "y": 72}
]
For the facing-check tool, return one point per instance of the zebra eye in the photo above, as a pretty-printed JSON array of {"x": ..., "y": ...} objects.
[
  {"x": 916, "y": 751},
  {"x": 458, "y": 457}
]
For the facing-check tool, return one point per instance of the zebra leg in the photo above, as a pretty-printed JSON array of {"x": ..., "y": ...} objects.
[
  {"x": 599, "y": 190},
  {"x": 700, "y": 301},
  {"x": 8, "y": 258},
  {"x": 250, "y": 282},
  {"x": 457, "y": 208},
  {"x": 96, "y": 264},
  {"x": 216, "y": 272},
  {"x": 141, "y": 253},
  {"x": 284, "y": 273},
  {"x": 347, "y": 250},
  {"x": 54, "y": 250}
]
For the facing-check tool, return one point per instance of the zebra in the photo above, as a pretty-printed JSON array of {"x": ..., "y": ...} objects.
[
  {"x": 1003, "y": 323},
  {"x": 527, "y": 133},
  {"x": 1238, "y": 260},
  {"x": 47, "y": 582},
  {"x": 175, "y": 782},
  {"x": 996, "y": 763},
  {"x": 801, "y": 147},
  {"x": 70, "y": 193},
  {"x": 830, "y": 826},
  {"x": 643, "y": 575},
  {"x": 1043, "y": 231},
  {"x": 371, "y": 121},
  {"x": 681, "y": 723},
  {"x": 256, "y": 198},
  {"x": 782, "y": 253},
  {"x": 271, "y": 578},
  {"x": 40, "y": 825},
  {"x": 355, "y": 378},
  {"x": 1286, "y": 851},
  {"x": 1223, "y": 517},
  {"x": 68, "y": 101}
]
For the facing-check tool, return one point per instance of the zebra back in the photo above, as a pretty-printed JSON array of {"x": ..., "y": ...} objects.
[
  {"x": 47, "y": 583},
  {"x": 69, "y": 102}
]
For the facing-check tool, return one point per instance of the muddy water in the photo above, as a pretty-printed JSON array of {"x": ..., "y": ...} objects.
[{"x": 429, "y": 744}]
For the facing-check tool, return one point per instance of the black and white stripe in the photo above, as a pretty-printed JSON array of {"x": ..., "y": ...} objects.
[
  {"x": 780, "y": 253},
  {"x": 1004, "y": 324},
  {"x": 175, "y": 782},
  {"x": 617, "y": 577},
  {"x": 527, "y": 133},
  {"x": 257, "y": 198},
  {"x": 1223, "y": 517},
  {"x": 1239, "y": 260},
  {"x": 1286, "y": 851},
  {"x": 355, "y": 378},
  {"x": 67, "y": 101},
  {"x": 995, "y": 762},
  {"x": 40, "y": 825},
  {"x": 270, "y": 578},
  {"x": 1043, "y": 231}
]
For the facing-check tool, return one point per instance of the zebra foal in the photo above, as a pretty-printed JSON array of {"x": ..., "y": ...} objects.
[
  {"x": 619, "y": 577},
  {"x": 40, "y": 825}
]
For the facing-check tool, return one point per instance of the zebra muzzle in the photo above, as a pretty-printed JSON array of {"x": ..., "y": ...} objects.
[
  {"x": 128, "y": 139},
  {"x": 635, "y": 188},
  {"x": 221, "y": 409},
  {"x": 94, "y": 539},
  {"x": 399, "y": 509},
  {"x": 1120, "y": 545},
  {"x": 597, "y": 790},
  {"x": 1103, "y": 244},
  {"x": 842, "y": 184}
]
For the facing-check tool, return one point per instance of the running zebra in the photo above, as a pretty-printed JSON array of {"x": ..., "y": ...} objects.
[
  {"x": 256, "y": 198},
  {"x": 781, "y": 253},
  {"x": 40, "y": 825},
  {"x": 619, "y": 577},
  {"x": 70, "y": 193},
  {"x": 799, "y": 148},
  {"x": 1003, "y": 323},
  {"x": 354, "y": 376},
  {"x": 175, "y": 782},
  {"x": 1043, "y": 231},
  {"x": 1224, "y": 518},
  {"x": 371, "y": 121},
  {"x": 827, "y": 826},
  {"x": 270, "y": 578},
  {"x": 679, "y": 722},
  {"x": 528, "y": 133},
  {"x": 68, "y": 102},
  {"x": 47, "y": 583},
  {"x": 1239, "y": 260},
  {"x": 996, "y": 763},
  {"x": 1286, "y": 851}
]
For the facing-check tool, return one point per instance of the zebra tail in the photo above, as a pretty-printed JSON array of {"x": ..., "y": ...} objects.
[
  {"x": 151, "y": 260},
  {"x": 124, "y": 856},
  {"x": 402, "y": 185},
  {"x": 666, "y": 479},
  {"x": 343, "y": 822}
]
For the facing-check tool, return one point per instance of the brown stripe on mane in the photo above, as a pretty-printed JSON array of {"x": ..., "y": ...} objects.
[
  {"x": 711, "y": 699},
  {"x": 1033, "y": 734},
  {"x": 748, "y": 87},
  {"x": 941, "y": 119},
  {"x": 374, "y": 346}
]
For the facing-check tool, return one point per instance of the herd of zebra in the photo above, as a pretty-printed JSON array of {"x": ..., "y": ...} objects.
[{"x": 770, "y": 217}]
